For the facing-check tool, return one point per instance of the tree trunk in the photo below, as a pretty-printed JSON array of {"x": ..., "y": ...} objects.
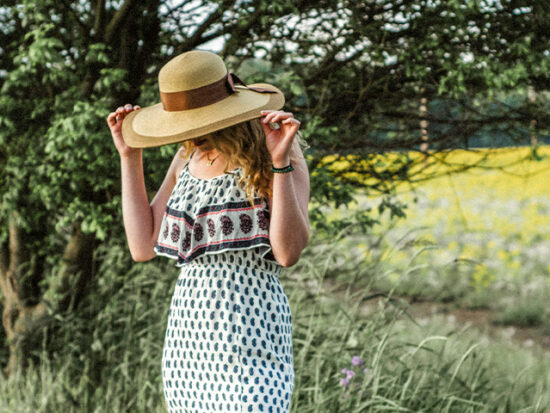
[
  {"x": 424, "y": 146},
  {"x": 21, "y": 307},
  {"x": 533, "y": 123},
  {"x": 75, "y": 273},
  {"x": 25, "y": 312}
]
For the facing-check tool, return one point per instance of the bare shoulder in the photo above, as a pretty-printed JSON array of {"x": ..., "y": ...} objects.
[
  {"x": 170, "y": 179},
  {"x": 179, "y": 162}
]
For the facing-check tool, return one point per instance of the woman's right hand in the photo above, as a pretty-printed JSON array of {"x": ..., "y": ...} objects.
[{"x": 114, "y": 120}]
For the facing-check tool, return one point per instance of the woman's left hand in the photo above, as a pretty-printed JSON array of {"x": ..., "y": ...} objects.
[{"x": 279, "y": 141}]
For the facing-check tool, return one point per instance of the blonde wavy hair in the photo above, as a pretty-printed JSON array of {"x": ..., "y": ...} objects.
[{"x": 244, "y": 143}]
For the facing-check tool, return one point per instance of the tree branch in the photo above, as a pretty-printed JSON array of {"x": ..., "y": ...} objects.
[
  {"x": 178, "y": 6},
  {"x": 197, "y": 38},
  {"x": 82, "y": 25},
  {"x": 4, "y": 260},
  {"x": 116, "y": 21},
  {"x": 240, "y": 30},
  {"x": 99, "y": 17},
  {"x": 75, "y": 272},
  {"x": 17, "y": 254}
]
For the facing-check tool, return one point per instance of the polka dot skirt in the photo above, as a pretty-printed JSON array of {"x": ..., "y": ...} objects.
[{"x": 228, "y": 342}]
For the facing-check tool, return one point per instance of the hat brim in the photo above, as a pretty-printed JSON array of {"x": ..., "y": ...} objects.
[{"x": 153, "y": 126}]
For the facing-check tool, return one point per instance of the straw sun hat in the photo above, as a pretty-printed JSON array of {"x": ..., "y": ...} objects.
[{"x": 198, "y": 96}]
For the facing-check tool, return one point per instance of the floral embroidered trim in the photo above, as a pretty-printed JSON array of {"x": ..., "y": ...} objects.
[{"x": 209, "y": 220}]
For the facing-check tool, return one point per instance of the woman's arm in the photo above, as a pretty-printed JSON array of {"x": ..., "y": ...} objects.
[
  {"x": 141, "y": 219},
  {"x": 289, "y": 222},
  {"x": 289, "y": 225}
]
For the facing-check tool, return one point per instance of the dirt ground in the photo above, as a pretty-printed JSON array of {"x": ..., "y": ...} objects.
[{"x": 422, "y": 310}]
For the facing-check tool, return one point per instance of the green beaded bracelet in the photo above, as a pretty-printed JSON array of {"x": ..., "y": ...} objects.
[{"x": 286, "y": 169}]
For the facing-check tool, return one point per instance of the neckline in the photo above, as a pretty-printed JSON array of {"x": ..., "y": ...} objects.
[{"x": 229, "y": 173}]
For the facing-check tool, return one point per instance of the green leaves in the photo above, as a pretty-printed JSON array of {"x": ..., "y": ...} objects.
[
  {"x": 111, "y": 78},
  {"x": 97, "y": 53},
  {"x": 79, "y": 162}
]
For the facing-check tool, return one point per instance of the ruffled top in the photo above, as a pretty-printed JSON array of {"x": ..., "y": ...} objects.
[{"x": 208, "y": 216}]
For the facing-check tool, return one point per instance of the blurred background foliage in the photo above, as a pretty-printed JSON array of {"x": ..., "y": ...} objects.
[{"x": 374, "y": 83}]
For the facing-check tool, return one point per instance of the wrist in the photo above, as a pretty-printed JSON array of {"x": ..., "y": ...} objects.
[
  {"x": 133, "y": 153},
  {"x": 281, "y": 162}
]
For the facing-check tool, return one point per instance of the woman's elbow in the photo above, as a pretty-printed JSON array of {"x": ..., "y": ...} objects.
[
  {"x": 292, "y": 255},
  {"x": 305, "y": 241},
  {"x": 287, "y": 260},
  {"x": 142, "y": 255},
  {"x": 140, "y": 258}
]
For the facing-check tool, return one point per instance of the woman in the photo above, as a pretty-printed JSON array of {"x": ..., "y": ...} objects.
[{"x": 232, "y": 210}]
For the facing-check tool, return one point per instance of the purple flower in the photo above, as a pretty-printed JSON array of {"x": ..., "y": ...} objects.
[
  {"x": 166, "y": 230},
  {"x": 175, "y": 234},
  {"x": 246, "y": 223},
  {"x": 227, "y": 225},
  {"x": 356, "y": 361},
  {"x": 349, "y": 373},
  {"x": 211, "y": 227}
]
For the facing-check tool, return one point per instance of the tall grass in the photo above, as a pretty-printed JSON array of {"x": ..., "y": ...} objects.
[
  {"x": 106, "y": 357},
  {"x": 413, "y": 365}
]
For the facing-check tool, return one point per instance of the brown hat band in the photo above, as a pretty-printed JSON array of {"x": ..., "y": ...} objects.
[{"x": 205, "y": 95}]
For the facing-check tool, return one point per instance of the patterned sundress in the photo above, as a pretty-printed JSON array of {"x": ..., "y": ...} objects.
[{"x": 228, "y": 343}]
